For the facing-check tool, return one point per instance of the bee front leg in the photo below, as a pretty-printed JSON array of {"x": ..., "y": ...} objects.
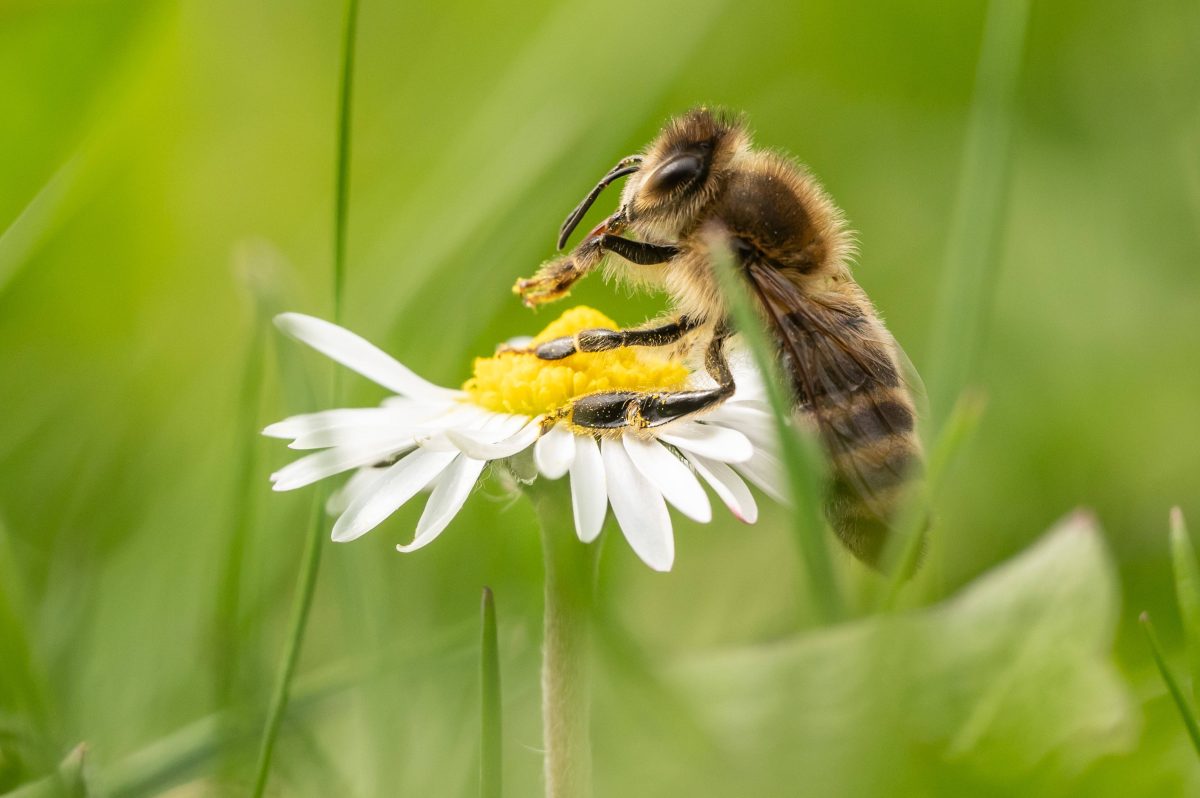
[{"x": 554, "y": 279}]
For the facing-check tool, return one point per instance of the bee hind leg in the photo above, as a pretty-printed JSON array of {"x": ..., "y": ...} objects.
[{"x": 629, "y": 409}]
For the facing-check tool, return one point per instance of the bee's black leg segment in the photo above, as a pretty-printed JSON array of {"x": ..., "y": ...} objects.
[
  {"x": 603, "y": 410},
  {"x": 656, "y": 409},
  {"x": 601, "y": 340},
  {"x": 556, "y": 349},
  {"x": 643, "y": 253},
  {"x": 619, "y": 409}
]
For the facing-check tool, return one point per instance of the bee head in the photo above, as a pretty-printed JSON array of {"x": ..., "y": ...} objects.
[{"x": 683, "y": 170}]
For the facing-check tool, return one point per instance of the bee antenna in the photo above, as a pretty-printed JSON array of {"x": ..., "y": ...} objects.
[{"x": 626, "y": 166}]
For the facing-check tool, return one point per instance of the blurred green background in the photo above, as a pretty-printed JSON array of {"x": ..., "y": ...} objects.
[{"x": 149, "y": 148}]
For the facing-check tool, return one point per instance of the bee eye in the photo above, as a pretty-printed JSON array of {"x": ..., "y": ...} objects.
[{"x": 675, "y": 173}]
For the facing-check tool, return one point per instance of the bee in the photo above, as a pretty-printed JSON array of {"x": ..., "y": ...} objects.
[{"x": 791, "y": 245}]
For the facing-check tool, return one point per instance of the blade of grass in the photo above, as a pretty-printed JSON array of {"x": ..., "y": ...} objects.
[
  {"x": 342, "y": 184},
  {"x": 23, "y": 680},
  {"x": 35, "y": 221},
  {"x": 1187, "y": 593},
  {"x": 1181, "y": 702},
  {"x": 310, "y": 566},
  {"x": 491, "y": 726},
  {"x": 972, "y": 259},
  {"x": 311, "y": 559},
  {"x": 963, "y": 421},
  {"x": 67, "y": 781},
  {"x": 258, "y": 280},
  {"x": 185, "y": 753},
  {"x": 801, "y": 457}
]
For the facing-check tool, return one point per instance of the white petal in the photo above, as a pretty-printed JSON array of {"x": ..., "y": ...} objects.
[
  {"x": 673, "y": 479},
  {"x": 447, "y": 499},
  {"x": 589, "y": 492},
  {"x": 639, "y": 508},
  {"x": 463, "y": 417},
  {"x": 751, "y": 421},
  {"x": 472, "y": 445},
  {"x": 400, "y": 483},
  {"x": 765, "y": 471},
  {"x": 366, "y": 425},
  {"x": 359, "y": 483},
  {"x": 554, "y": 452},
  {"x": 719, "y": 443},
  {"x": 746, "y": 376},
  {"x": 728, "y": 485},
  {"x": 360, "y": 355},
  {"x": 314, "y": 467},
  {"x": 349, "y": 417}
]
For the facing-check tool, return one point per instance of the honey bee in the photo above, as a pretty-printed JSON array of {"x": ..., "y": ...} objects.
[{"x": 791, "y": 245}]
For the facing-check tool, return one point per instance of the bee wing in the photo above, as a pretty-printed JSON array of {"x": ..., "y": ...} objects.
[
  {"x": 912, "y": 378},
  {"x": 832, "y": 364}
]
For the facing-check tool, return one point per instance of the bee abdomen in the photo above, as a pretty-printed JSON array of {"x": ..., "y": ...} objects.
[{"x": 875, "y": 459}]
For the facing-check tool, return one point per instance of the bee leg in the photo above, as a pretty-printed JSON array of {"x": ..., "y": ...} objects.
[
  {"x": 600, "y": 340},
  {"x": 643, "y": 253},
  {"x": 640, "y": 410},
  {"x": 555, "y": 278}
]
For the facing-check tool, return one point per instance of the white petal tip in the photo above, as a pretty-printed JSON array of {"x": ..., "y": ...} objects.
[
  {"x": 345, "y": 535},
  {"x": 289, "y": 318},
  {"x": 411, "y": 547}
]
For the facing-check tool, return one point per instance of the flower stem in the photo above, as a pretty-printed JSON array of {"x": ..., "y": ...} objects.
[{"x": 566, "y": 649}]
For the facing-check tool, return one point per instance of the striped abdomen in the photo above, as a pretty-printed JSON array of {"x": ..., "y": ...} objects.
[{"x": 867, "y": 425}]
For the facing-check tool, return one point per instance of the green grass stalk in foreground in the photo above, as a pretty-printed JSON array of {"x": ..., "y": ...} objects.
[
  {"x": 310, "y": 566},
  {"x": 342, "y": 187},
  {"x": 1187, "y": 593},
  {"x": 570, "y": 567},
  {"x": 909, "y": 533},
  {"x": 801, "y": 457},
  {"x": 490, "y": 718},
  {"x": 246, "y": 427},
  {"x": 1181, "y": 702},
  {"x": 311, "y": 559},
  {"x": 972, "y": 248}
]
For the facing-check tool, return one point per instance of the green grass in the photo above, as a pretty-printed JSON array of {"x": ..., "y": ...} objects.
[{"x": 1026, "y": 242}]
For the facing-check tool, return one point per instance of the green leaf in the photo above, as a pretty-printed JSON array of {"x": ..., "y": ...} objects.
[{"x": 1008, "y": 680}]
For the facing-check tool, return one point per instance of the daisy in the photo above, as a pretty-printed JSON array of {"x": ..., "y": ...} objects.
[{"x": 427, "y": 436}]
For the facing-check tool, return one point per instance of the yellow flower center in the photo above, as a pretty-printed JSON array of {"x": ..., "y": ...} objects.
[{"x": 519, "y": 382}]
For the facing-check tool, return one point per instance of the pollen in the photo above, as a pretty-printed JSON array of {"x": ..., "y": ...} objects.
[{"x": 517, "y": 381}]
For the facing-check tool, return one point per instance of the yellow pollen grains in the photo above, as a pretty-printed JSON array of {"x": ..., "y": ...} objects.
[{"x": 518, "y": 382}]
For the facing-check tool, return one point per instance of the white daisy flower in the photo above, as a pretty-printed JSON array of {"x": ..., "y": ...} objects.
[{"x": 428, "y": 436}]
